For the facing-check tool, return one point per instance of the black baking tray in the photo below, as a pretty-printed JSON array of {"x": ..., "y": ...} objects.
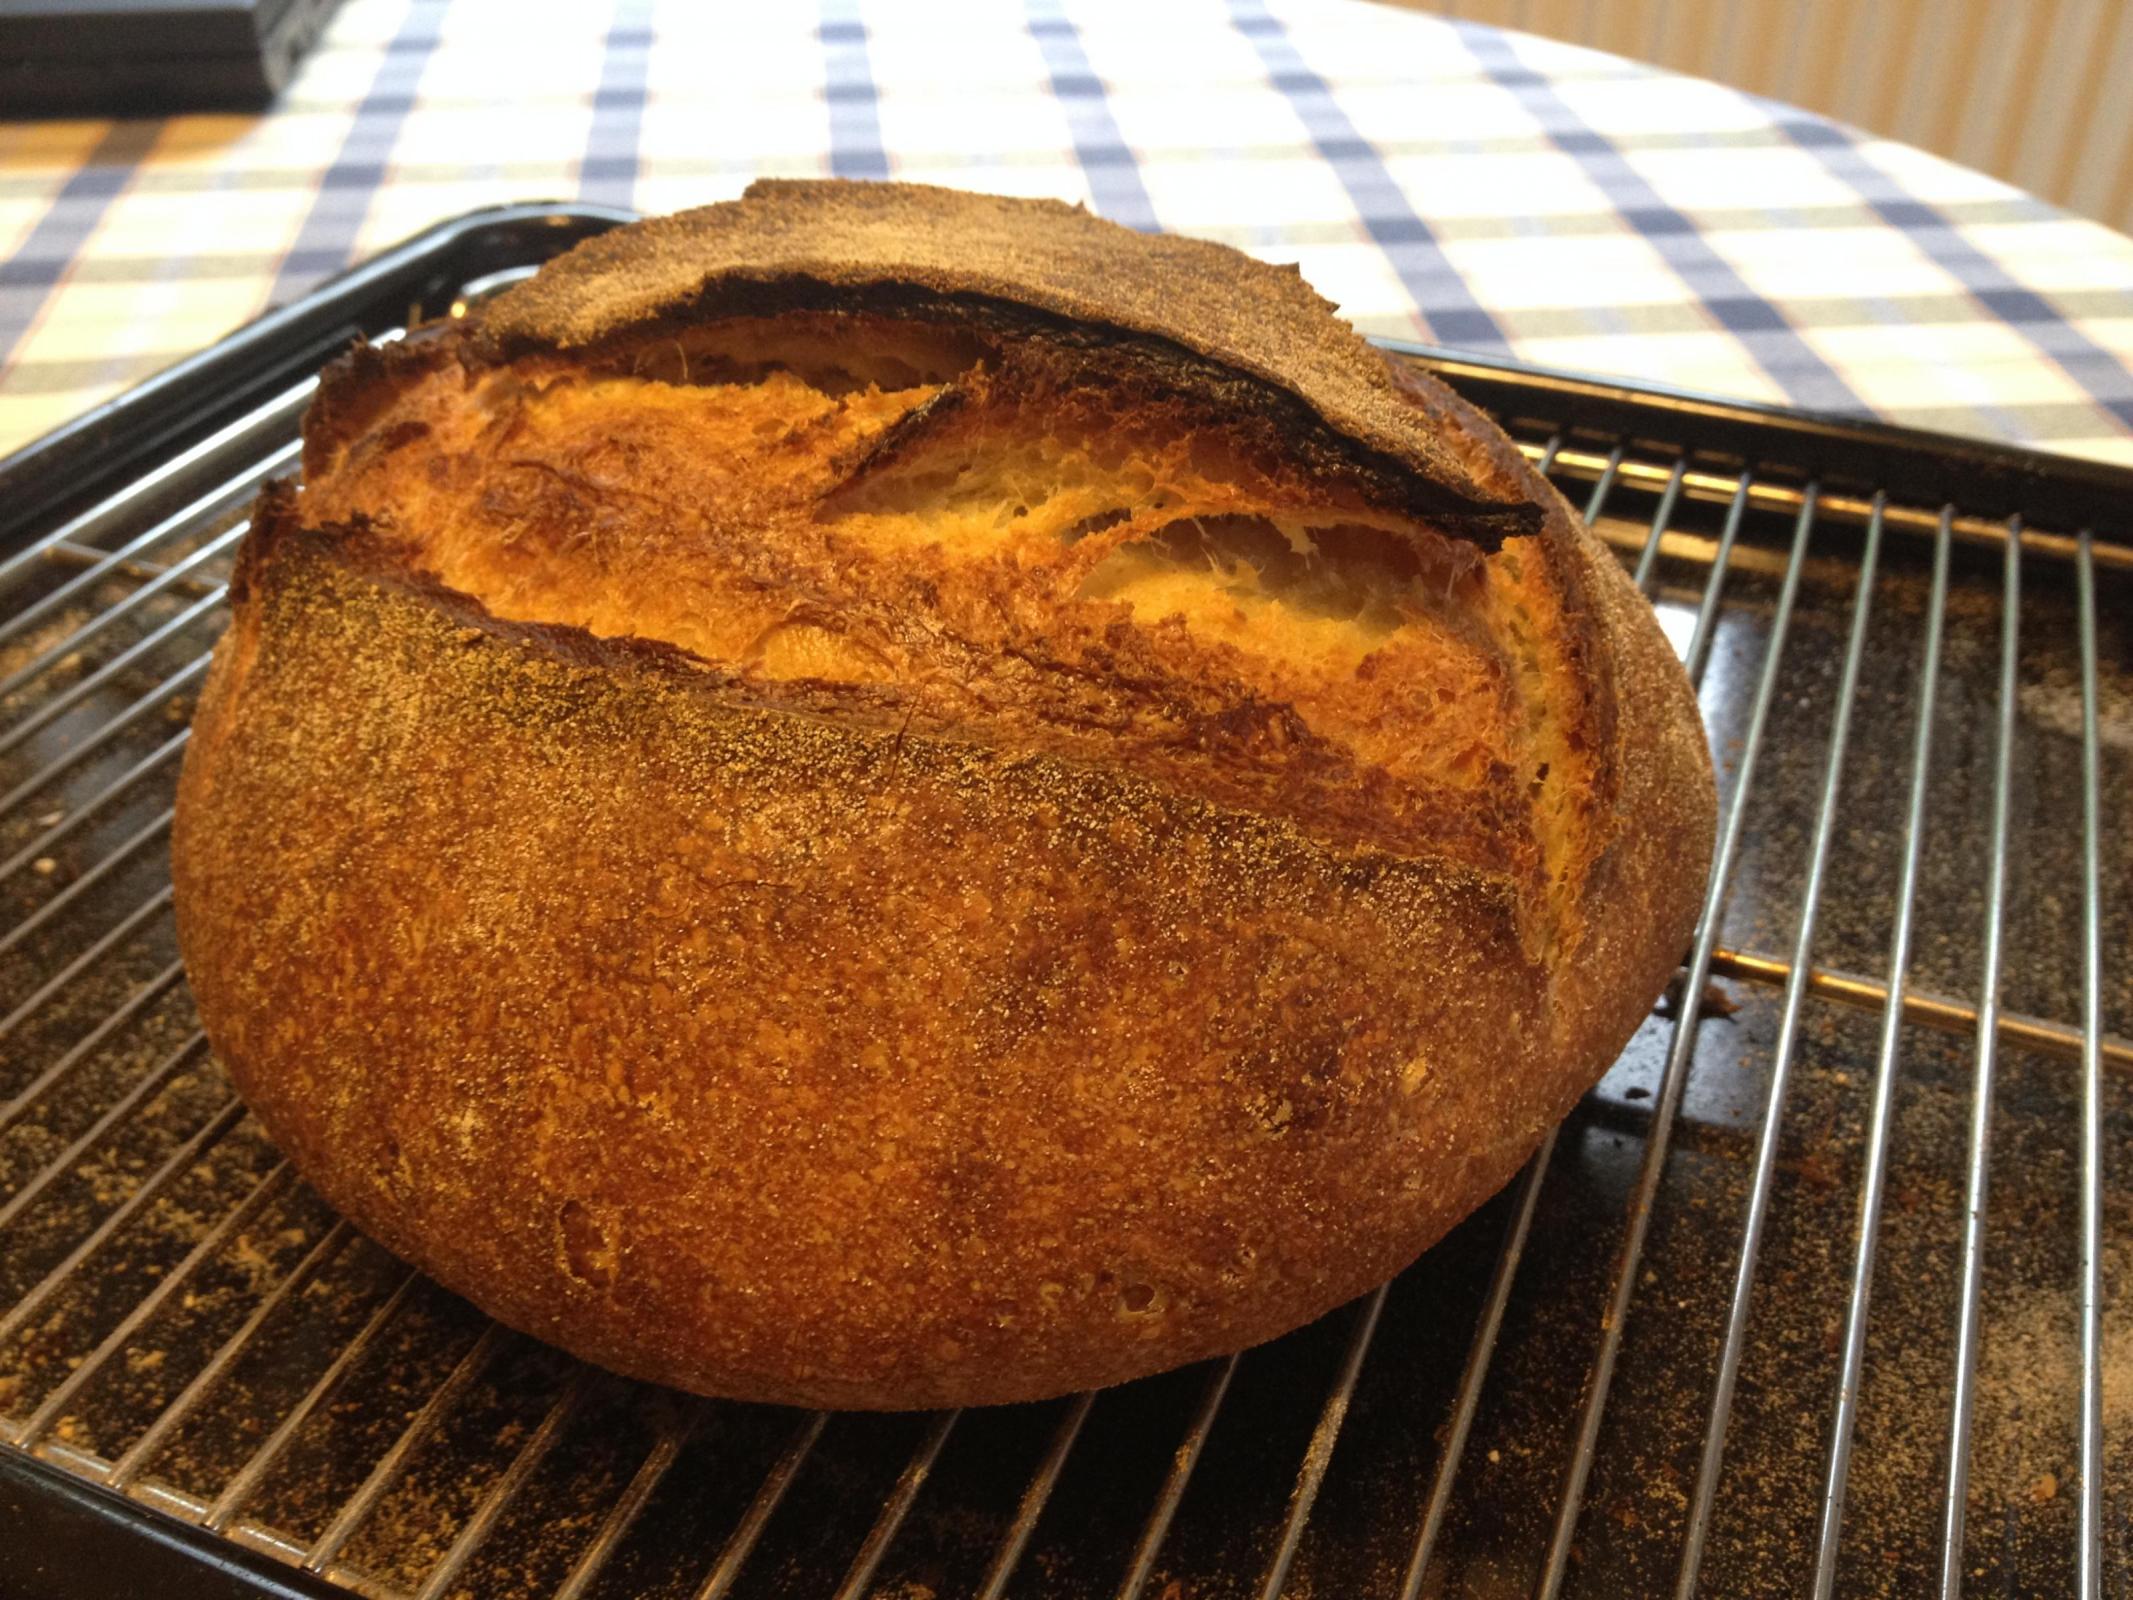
[
  {"x": 132, "y": 58},
  {"x": 63, "y": 1537}
]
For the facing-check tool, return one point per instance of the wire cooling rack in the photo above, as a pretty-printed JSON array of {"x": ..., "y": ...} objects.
[{"x": 1825, "y": 1290}]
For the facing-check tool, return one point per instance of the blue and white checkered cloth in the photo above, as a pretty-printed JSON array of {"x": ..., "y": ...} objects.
[{"x": 1439, "y": 180}]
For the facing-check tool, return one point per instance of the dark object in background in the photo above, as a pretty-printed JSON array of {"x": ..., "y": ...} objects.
[{"x": 124, "y": 58}]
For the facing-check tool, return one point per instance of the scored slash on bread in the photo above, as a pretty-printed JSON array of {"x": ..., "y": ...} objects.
[{"x": 882, "y": 797}]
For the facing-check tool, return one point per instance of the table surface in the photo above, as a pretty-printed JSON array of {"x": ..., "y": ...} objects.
[{"x": 1439, "y": 180}]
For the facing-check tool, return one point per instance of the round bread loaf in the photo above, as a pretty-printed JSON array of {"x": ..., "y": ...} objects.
[{"x": 883, "y": 798}]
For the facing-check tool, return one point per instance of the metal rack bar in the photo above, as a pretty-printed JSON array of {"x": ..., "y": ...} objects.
[
  {"x": 44, "y": 843},
  {"x": 666, "y": 1448},
  {"x": 61, "y": 764},
  {"x": 279, "y": 412},
  {"x": 1673, "y": 1079},
  {"x": 1662, "y": 518},
  {"x": 64, "y": 554},
  {"x": 82, "y": 885},
  {"x": 55, "y": 1403},
  {"x": 49, "y": 712},
  {"x": 217, "y": 502},
  {"x": 105, "y": 943},
  {"x": 1035, "y": 1497},
  {"x": 129, "y": 1465},
  {"x": 1882, "y": 1118},
  {"x": 1934, "y": 1011},
  {"x": 1603, "y": 485},
  {"x": 477, "y": 1528},
  {"x": 2090, "y": 1559},
  {"x": 1187, "y": 1457},
  {"x": 174, "y": 1166},
  {"x": 144, "y": 1089},
  {"x": 1655, "y": 531},
  {"x": 1765, "y": 1169},
  {"x": 223, "y": 1511},
  {"x": 860, "y": 1576},
  {"x": 1988, "y": 1045},
  {"x": 1318, "y": 1454},
  {"x": 1699, "y": 652},
  {"x": 155, "y": 584},
  {"x": 740, "y": 1544},
  {"x": 382, "y": 1476},
  {"x": 1480, "y": 1350},
  {"x": 1544, "y": 458},
  {"x": 41, "y": 1085}
]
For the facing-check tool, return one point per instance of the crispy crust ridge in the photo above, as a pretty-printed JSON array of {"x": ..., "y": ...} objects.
[{"x": 790, "y": 242}]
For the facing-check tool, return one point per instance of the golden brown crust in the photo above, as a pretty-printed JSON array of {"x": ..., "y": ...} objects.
[{"x": 756, "y": 1035}]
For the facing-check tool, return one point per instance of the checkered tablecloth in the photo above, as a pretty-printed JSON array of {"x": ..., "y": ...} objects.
[{"x": 1439, "y": 180}]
